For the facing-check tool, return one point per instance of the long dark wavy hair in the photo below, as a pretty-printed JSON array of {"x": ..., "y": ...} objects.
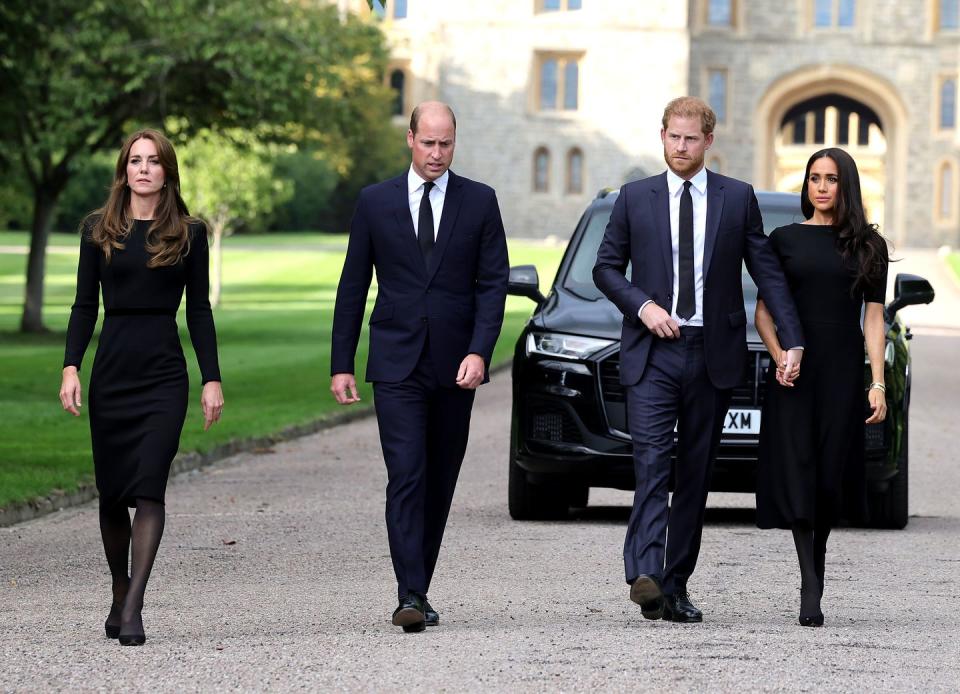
[
  {"x": 168, "y": 238},
  {"x": 858, "y": 241}
]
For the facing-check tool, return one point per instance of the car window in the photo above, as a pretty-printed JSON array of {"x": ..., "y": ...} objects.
[{"x": 579, "y": 277}]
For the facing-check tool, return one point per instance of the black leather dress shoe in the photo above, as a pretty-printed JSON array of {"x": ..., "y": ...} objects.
[
  {"x": 409, "y": 613},
  {"x": 678, "y": 608},
  {"x": 646, "y": 592},
  {"x": 430, "y": 616}
]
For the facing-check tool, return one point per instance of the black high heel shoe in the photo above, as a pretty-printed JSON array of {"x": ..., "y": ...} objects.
[
  {"x": 810, "y": 613},
  {"x": 133, "y": 637},
  {"x": 113, "y": 630}
]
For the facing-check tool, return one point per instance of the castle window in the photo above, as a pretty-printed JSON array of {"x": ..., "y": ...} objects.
[
  {"x": 397, "y": 82},
  {"x": 559, "y": 86},
  {"x": 541, "y": 170},
  {"x": 399, "y": 9},
  {"x": 949, "y": 14},
  {"x": 557, "y": 5},
  {"x": 946, "y": 193},
  {"x": 717, "y": 93},
  {"x": 715, "y": 164},
  {"x": 834, "y": 13},
  {"x": 720, "y": 13},
  {"x": 948, "y": 103},
  {"x": 575, "y": 171}
]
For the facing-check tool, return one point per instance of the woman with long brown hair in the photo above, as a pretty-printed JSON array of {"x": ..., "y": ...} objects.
[
  {"x": 143, "y": 250},
  {"x": 811, "y": 468}
]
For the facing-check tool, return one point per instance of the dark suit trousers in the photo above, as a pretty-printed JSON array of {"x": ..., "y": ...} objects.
[
  {"x": 423, "y": 433},
  {"x": 674, "y": 390}
]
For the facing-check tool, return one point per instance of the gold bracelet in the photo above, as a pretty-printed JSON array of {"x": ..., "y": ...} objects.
[{"x": 876, "y": 385}]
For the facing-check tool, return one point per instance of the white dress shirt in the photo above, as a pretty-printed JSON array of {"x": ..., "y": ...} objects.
[
  {"x": 437, "y": 195},
  {"x": 698, "y": 192}
]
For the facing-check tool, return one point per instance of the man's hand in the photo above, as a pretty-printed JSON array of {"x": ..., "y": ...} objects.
[
  {"x": 659, "y": 322},
  {"x": 471, "y": 372},
  {"x": 344, "y": 389}
]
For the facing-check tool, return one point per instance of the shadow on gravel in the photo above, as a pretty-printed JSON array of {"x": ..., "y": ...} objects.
[{"x": 621, "y": 514}]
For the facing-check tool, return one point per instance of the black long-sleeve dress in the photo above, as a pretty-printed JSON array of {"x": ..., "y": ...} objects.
[
  {"x": 138, "y": 385},
  {"x": 811, "y": 467}
]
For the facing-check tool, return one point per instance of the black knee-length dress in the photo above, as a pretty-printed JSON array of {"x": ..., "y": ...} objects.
[
  {"x": 138, "y": 385},
  {"x": 811, "y": 466}
]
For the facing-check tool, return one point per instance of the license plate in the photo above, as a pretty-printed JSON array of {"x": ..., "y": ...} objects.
[{"x": 742, "y": 422}]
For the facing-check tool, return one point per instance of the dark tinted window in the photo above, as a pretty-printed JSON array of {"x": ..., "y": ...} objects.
[{"x": 579, "y": 276}]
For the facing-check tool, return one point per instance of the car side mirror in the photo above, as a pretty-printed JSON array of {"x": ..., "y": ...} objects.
[
  {"x": 524, "y": 281},
  {"x": 909, "y": 290}
]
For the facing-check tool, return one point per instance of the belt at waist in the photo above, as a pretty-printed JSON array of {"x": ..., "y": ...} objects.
[{"x": 140, "y": 312}]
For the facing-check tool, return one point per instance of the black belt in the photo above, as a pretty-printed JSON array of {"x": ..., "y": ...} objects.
[{"x": 140, "y": 312}]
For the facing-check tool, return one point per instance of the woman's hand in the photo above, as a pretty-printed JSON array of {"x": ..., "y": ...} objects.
[
  {"x": 70, "y": 390},
  {"x": 878, "y": 403},
  {"x": 211, "y": 400}
]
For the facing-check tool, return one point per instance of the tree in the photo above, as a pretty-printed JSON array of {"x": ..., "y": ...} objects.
[
  {"x": 228, "y": 180},
  {"x": 75, "y": 75}
]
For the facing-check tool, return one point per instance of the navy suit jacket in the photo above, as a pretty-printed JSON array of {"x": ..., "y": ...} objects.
[
  {"x": 639, "y": 233},
  {"x": 457, "y": 301}
]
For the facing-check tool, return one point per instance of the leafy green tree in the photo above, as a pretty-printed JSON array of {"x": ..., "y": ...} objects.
[
  {"x": 75, "y": 75},
  {"x": 313, "y": 179},
  {"x": 228, "y": 180}
]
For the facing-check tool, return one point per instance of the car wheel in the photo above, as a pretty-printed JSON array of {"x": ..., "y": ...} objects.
[
  {"x": 530, "y": 501},
  {"x": 891, "y": 508}
]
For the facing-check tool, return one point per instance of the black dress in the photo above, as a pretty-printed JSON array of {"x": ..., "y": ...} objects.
[
  {"x": 138, "y": 385},
  {"x": 811, "y": 436}
]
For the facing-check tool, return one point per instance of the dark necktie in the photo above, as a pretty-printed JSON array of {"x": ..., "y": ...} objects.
[
  {"x": 425, "y": 223},
  {"x": 687, "y": 295}
]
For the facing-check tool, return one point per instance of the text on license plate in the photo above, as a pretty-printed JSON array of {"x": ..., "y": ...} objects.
[{"x": 742, "y": 422}]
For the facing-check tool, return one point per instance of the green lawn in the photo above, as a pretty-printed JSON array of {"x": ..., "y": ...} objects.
[
  {"x": 953, "y": 260},
  {"x": 274, "y": 332}
]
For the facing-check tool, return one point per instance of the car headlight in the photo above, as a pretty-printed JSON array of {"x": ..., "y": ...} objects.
[{"x": 564, "y": 346}]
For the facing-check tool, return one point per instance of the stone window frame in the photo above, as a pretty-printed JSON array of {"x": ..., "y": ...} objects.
[
  {"x": 701, "y": 18},
  {"x": 935, "y": 19},
  {"x": 939, "y": 81},
  {"x": 952, "y": 218},
  {"x": 707, "y": 72},
  {"x": 537, "y": 186},
  {"x": 406, "y": 96},
  {"x": 562, "y": 58},
  {"x": 834, "y": 26},
  {"x": 539, "y": 7},
  {"x": 569, "y": 188}
]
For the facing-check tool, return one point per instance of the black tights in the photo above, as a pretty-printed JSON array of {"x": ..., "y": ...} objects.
[
  {"x": 139, "y": 540},
  {"x": 811, "y": 546}
]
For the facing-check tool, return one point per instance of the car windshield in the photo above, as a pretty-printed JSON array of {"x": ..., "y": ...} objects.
[{"x": 579, "y": 276}]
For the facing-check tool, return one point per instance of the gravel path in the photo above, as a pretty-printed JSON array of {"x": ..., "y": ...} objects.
[{"x": 274, "y": 574}]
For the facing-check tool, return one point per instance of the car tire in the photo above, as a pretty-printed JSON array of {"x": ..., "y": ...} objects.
[
  {"x": 530, "y": 501},
  {"x": 891, "y": 508}
]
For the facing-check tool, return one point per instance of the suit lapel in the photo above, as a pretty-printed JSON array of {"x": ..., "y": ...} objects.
[
  {"x": 408, "y": 235},
  {"x": 448, "y": 218},
  {"x": 714, "y": 211},
  {"x": 660, "y": 203}
]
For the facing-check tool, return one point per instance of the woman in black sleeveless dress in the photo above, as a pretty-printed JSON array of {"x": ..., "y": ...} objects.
[
  {"x": 142, "y": 250},
  {"x": 811, "y": 468}
]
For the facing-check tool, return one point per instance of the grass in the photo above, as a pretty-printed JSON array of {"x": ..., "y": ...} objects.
[
  {"x": 274, "y": 338},
  {"x": 953, "y": 260}
]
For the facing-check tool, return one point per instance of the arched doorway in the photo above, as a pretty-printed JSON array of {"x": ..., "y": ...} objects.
[
  {"x": 833, "y": 120},
  {"x": 828, "y": 92}
]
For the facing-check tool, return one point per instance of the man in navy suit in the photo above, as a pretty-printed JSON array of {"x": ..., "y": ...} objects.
[
  {"x": 687, "y": 233},
  {"x": 437, "y": 243}
]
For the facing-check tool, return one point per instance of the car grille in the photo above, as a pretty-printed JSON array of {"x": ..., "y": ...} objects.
[
  {"x": 750, "y": 392},
  {"x": 551, "y": 422}
]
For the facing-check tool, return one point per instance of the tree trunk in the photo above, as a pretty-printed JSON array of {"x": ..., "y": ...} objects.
[
  {"x": 44, "y": 204},
  {"x": 216, "y": 275}
]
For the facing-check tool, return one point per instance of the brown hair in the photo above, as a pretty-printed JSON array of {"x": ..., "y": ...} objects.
[
  {"x": 168, "y": 238},
  {"x": 415, "y": 118},
  {"x": 691, "y": 107}
]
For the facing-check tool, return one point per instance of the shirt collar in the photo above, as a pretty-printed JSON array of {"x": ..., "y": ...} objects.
[
  {"x": 415, "y": 183},
  {"x": 699, "y": 181}
]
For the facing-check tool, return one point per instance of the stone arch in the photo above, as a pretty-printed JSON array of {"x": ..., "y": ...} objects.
[{"x": 858, "y": 84}]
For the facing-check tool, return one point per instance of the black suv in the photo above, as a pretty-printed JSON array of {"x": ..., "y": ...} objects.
[{"x": 568, "y": 427}]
